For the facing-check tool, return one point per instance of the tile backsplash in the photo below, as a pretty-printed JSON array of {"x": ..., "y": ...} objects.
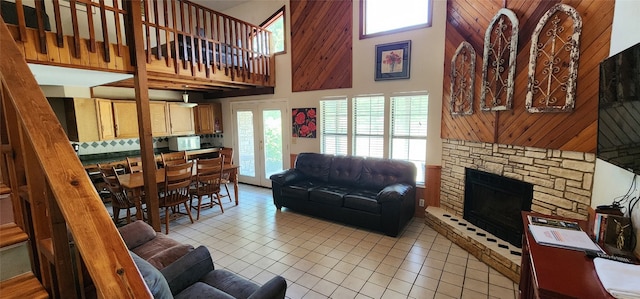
[{"x": 133, "y": 144}]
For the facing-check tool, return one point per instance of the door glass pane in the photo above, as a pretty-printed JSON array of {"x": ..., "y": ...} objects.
[
  {"x": 272, "y": 124},
  {"x": 246, "y": 152}
]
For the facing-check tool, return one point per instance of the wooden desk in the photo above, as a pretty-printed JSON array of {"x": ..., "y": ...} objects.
[
  {"x": 551, "y": 272},
  {"x": 134, "y": 182}
]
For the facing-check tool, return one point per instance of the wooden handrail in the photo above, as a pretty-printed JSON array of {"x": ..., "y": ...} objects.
[{"x": 108, "y": 262}]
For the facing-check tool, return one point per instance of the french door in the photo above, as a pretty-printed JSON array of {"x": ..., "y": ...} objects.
[{"x": 259, "y": 140}]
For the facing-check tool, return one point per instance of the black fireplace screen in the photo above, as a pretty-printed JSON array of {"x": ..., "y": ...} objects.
[{"x": 494, "y": 203}]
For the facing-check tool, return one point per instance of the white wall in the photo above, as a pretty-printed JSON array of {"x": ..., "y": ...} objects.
[
  {"x": 426, "y": 71},
  {"x": 611, "y": 182}
]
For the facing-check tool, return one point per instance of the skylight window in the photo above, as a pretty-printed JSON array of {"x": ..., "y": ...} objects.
[{"x": 380, "y": 17}]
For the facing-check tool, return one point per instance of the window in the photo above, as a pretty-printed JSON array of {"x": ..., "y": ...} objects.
[
  {"x": 333, "y": 126},
  {"x": 392, "y": 127},
  {"x": 380, "y": 17},
  {"x": 409, "y": 131},
  {"x": 275, "y": 24},
  {"x": 368, "y": 126}
]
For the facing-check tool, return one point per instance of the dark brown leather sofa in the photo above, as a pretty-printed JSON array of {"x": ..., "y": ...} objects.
[{"x": 377, "y": 194}]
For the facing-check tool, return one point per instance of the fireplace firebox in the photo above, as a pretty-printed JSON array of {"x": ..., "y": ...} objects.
[{"x": 494, "y": 203}]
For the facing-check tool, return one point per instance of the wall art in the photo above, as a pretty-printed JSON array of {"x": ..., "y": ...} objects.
[
  {"x": 553, "y": 61},
  {"x": 463, "y": 69},
  {"x": 303, "y": 122},
  {"x": 393, "y": 61},
  {"x": 499, "y": 61}
]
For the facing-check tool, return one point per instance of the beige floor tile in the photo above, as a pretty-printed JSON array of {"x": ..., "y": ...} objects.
[
  {"x": 342, "y": 292},
  {"x": 372, "y": 290},
  {"x": 448, "y": 289}
]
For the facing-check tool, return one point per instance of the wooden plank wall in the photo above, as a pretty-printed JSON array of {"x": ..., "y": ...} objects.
[
  {"x": 574, "y": 131},
  {"x": 321, "y": 40}
]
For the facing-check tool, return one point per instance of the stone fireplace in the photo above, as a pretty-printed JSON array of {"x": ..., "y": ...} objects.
[{"x": 561, "y": 182}]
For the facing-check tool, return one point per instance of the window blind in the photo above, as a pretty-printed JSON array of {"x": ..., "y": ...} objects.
[
  {"x": 409, "y": 130},
  {"x": 334, "y": 126},
  {"x": 368, "y": 126}
]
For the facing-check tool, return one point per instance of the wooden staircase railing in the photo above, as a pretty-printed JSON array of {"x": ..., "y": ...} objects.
[{"x": 55, "y": 202}]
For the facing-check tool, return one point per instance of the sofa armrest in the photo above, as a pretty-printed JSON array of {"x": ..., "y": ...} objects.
[
  {"x": 137, "y": 233},
  {"x": 395, "y": 192},
  {"x": 273, "y": 289},
  {"x": 188, "y": 269},
  {"x": 287, "y": 177}
]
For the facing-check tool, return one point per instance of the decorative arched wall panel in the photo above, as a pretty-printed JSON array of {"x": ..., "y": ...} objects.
[
  {"x": 553, "y": 61},
  {"x": 463, "y": 73},
  {"x": 499, "y": 61}
]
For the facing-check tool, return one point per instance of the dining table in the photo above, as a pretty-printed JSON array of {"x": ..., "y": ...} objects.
[{"x": 134, "y": 183}]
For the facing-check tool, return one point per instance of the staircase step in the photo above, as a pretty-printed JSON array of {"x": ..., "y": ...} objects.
[
  {"x": 23, "y": 286},
  {"x": 11, "y": 234}
]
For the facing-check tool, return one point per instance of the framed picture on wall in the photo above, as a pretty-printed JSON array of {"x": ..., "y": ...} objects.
[{"x": 393, "y": 61}]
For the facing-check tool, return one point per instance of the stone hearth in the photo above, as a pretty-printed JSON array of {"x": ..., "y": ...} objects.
[{"x": 496, "y": 253}]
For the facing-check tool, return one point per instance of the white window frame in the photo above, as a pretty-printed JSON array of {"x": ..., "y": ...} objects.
[
  {"x": 396, "y": 7},
  {"x": 335, "y": 128}
]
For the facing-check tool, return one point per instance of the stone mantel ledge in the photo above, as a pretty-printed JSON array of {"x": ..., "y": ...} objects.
[{"x": 464, "y": 234}]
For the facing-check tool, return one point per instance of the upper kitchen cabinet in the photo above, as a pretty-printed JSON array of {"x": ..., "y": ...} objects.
[
  {"x": 181, "y": 119},
  {"x": 125, "y": 118},
  {"x": 159, "y": 119},
  {"x": 204, "y": 119},
  {"x": 81, "y": 119},
  {"x": 106, "y": 129}
]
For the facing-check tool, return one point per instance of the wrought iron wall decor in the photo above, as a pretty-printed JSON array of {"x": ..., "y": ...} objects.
[
  {"x": 556, "y": 42},
  {"x": 463, "y": 69},
  {"x": 499, "y": 61}
]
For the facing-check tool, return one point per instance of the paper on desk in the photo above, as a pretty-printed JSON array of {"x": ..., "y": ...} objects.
[
  {"x": 619, "y": 279},
  {"x": 564, "y": 238}
]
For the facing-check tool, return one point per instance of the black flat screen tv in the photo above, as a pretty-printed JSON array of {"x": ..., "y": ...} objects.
[{"x": 619, "y": 110}]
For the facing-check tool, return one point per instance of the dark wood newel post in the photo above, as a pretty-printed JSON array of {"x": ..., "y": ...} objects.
[{"x": 136, "y": 47}]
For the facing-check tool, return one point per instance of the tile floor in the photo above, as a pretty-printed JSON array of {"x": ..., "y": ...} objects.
[{"x": 322, "y": 259}]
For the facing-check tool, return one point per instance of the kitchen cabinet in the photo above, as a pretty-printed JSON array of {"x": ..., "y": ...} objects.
[
  {"x": 125, "y": 117},
  {"x": 181, "y": 119},
  {"x": 81, "y": 119},
  {"x": 104, "y": 110},
  {"x": 159, "y": 119},
  {"x": 204, "y": 119}
]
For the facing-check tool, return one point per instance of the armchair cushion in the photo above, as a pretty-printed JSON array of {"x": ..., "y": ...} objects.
[
  {"x": 188, "y": 269},
  {"x": 137, "y": 233}
]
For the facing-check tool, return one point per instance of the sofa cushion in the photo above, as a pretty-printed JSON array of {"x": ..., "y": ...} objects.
[
  {"x": 329, "y": 194},
  {"x": 363, "y": 200},
  {"x": 136, "y": 233},
  {"x": 345, "y": 170},
  {"x": 163, "y": 258},
  {"x": 230, "y": 283},
  {"x": 379, "y": 173},
  {"x": 315, "y": 166},
  {"x": 202, "y": 290},
  {"x": 300, "y": 190}
]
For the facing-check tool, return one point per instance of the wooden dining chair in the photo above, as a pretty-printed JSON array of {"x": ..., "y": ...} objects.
[
  {"x": 227, "y": 154},
  {"x": 173, "y": 158},
  {"x": 207, "y": 183},
  {"x": 134, "y": 164},
  {"x": 177, "y": 179},
  {"x": 119, "y": 198}
]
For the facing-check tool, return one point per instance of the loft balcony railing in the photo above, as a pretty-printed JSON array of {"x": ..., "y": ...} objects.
[{"x": 185, "y": 44}]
